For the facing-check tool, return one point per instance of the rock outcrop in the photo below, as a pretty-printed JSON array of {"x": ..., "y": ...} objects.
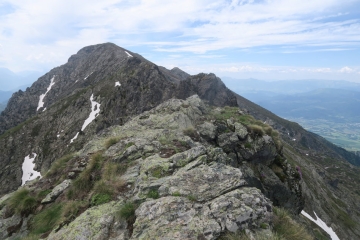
[{"x": 185, "y": 184}]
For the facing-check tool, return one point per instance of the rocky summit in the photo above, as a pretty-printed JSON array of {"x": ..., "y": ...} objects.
[{"x": 127, "y": 149}]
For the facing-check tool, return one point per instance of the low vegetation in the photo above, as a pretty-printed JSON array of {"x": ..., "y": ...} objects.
[
  {"x": 254, "y": 126},
  {"x": 153, "y": 194},
  {"x": 59, "y": 165},
  {"x": 127, "y": 211},
  {"x": 84, "y": 183},
  {"x": 111, "y": 141},
  {"x": 286, "y": 227},
  {"x": 46, "y": 220},
  {"x": 22, "y": 202}
]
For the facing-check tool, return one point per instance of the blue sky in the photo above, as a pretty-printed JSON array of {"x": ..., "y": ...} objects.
[{"x": 264, "y": 39}]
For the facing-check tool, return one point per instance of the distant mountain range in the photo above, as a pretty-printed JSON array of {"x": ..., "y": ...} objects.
[
  {"x": 328, "y": 108},
  {"x": 337, "y": 105},
  {"x": 10, "y": 81},
  {"x": 259, "y": 89}
]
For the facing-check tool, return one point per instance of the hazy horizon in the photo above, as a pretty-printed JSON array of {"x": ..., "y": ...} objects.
[{"x": 240, "y": 38}]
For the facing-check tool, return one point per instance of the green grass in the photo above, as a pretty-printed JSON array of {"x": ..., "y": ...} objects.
[
  {"x": 129, "y": 144},
  {"x": 22, "y": 202},
  {"x": 248, "y": 145},
  {"x": 176, "y": 194},
  {"x": 288, "y": 228},
  {"x": 153, "y": 194},
  {"x": 100, "y": 198},
  {"x": 59, "y": 165},
  {"x": 43, "y": 194},
  {"x": 127, "y": 211},
  {"x": 46, "y": 220},
  {"x": 84, "y": 183},
  {"x": 192, "y": 198},
  {"x": 158, "y": 172}
]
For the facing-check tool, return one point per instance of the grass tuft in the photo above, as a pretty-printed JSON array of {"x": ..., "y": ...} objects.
[
  {"x": 84, "y": 183},
  {"x": 58, "y": 165},
  {"x": 256, "y": 129},
  {"x": 21, "y": 202},
  {"x": 153, "y": 194},
  {"x": 288, "y": 228},
  {"x": 46, "y": 220},
  {"x": 192, "y": 198},
  {"x": 111, "y": 141},
  {"x": 127, "y": 211}
]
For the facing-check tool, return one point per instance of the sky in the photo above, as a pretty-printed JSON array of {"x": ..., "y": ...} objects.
[{"x": 263, "y": 39}]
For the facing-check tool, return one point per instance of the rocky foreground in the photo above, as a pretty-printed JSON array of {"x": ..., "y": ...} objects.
[{"x": 184, "y": 170}]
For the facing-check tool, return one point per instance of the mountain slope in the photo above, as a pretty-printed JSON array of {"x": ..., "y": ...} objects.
[
  {"x": 103, "y": 87},
  {"x": 49, "y": 131}
]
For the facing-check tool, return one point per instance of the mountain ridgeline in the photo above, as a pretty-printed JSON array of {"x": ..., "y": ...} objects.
[{"x": 112, "y": 102}]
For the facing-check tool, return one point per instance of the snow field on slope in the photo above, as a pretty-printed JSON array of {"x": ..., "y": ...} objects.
[
  {"x": 28, "y": 169},
  {"x": 42, "y": 96},
  {"x": 95, "y": 110},
  {"x": 321, "y": 224},
  {"x": 129, "y": 55}
]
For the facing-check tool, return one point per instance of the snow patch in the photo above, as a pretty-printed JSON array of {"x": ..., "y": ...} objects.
[
  {"x": 321, "y": 224},
  {"x": 88, "y": 76},
  {"x": 117, "y": 84},
  {"x": 28, "y": 169},
  {"x": 129, "y": 55},
  {"x": 77, "y": 134},
  {"x": 42, "y": 96},
  {"x": 95, "y": 110},
  {"x": 294, "y": 139}
]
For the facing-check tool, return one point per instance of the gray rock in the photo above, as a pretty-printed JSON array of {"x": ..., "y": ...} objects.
[
  {"x": 207, "y": 131},
  {"x": 56, "y": 191},
  {"x": 98, "y": 223},
  {"x": 179, "y": 218},
  {"x": 204, "y": 182},
  {"x": 240, "y": 130}
]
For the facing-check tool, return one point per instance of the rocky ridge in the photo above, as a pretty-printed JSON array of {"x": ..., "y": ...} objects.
[
  {"x": 93, "y": 71},
  {"x": 176, "y": 150},
  {"x": 124, "y": 84}
]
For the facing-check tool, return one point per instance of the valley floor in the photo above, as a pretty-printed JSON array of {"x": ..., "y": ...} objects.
[{"x": 345, "y": 135}]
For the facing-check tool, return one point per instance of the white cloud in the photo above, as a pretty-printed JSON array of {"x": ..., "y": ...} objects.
[
  {"x": 45, "y": 33},
  {"x": 346, "y": 70}
]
